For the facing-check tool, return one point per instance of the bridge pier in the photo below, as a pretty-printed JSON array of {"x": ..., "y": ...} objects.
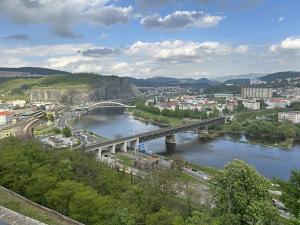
[
  {"x": 111, "y": 149},
  {"x": 134, "y": 144},
  {"x": 99, "y": 153},
  {"x": 124, "y": 147},
  {"x": 201, "y": 131},
  {"x": 170, "y": 144}
]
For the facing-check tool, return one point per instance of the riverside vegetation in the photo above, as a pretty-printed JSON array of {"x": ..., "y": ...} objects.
[
  {"x": 75, "y": 184},
  {"x": 280, "y": 134}
]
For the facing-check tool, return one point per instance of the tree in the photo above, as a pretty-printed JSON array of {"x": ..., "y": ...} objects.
[
  {"x": 50, "y": 117},
  {"x": 198, "y": 218},
  {"x": 242, "y": 191},
  {"x": 291, "y": 193},
  {"x": 157, "y": 186},
  {"x": 123, "y": 217},
  {"x": 67, "y": 132},
  {"x": 240, "y": 107},
  {"x": 164, "y": 217},
  {"x": 178, "y": 162}
]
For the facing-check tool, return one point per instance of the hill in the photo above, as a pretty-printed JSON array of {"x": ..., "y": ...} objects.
[
  {"x": 72, "y": 89},
  {"x": 170, "y": 81},
  {"x": 238, "y": 81},
  {"x": 34, "y": 71},
  {"x": 239, "y": 76},
  {"x": 280, "y": 76}
]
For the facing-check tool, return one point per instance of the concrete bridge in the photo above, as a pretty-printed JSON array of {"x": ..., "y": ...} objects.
[
  {"x": 132, "y": 142},
  {"x": 103, "y": 105}
]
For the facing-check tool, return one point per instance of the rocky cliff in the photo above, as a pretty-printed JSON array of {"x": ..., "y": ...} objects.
[{"x": 116, "y": 88}]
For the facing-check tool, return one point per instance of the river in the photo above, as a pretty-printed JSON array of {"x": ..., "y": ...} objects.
[{"x": 270, "y": 161}]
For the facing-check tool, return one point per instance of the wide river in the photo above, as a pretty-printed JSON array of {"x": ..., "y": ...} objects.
[{"x": 270, "y": 161}]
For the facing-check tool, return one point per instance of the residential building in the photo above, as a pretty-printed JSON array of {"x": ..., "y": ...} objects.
[
  {"x": 279, "y": 103},
  {"x": 256, "y": 92},
  {"x": 251, "y": 104},
  {"x": 17, "y": 103},
  {"x": 292, "y": 117},
  {"x": 6, "y": 117}
]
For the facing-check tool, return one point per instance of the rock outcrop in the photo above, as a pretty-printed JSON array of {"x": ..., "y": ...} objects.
[{"x": 117, "y": 88}]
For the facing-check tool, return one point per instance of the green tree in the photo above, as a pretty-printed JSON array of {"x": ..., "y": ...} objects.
[
  {"x": 242, "y": 191},
  {"x": 123, "y": 217},
  {"x": 164, "y": 217},
  {"x": 59, "y": 197},
  {"x": 67, "y": 132},
  {"x": 198, "y": 218},
  {"x": 291, "y": 192},
  {"x": 50, "y": 117}
]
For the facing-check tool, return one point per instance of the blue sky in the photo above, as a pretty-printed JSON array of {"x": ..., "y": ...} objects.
[{"x": 142, "y": 38}]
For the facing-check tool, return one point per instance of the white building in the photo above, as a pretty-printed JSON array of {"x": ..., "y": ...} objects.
[
  {"x": 279, "y": 103},
  {"x": 292, "y": 117},
  {"x": 251, "y": 104},
  {"x": 17, "y": 103},
  {"x": 257, "y": 81},
  {"x": 6, "y": 117}
]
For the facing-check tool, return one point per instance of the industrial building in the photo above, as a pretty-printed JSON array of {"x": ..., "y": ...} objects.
[{"x": 256, "y": 92}]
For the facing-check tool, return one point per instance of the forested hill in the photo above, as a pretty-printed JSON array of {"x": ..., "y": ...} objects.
[
  {"x": 281, "y": 76},
  {"x": 34, "y": 70},
  {"x": 170, "y": 81}
]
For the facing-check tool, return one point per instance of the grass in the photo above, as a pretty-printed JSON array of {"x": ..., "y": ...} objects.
[
  {"x": 45, "y": 130},
  {"x": 125, "y": 160},
  {"x": 19, "y": 205},
  {"x": 206, "y": 169}
]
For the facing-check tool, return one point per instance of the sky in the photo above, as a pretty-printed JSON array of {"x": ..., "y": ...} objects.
[{"x": 147, "y": 38}]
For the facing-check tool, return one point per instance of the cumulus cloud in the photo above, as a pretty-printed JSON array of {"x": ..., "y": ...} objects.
[
  {"x": 176, "y": 58},
  {"x": 181, "y": 51},
  {"x": 289, "y": 44},
  {"x": 182, "y": 19},
  {"x": 62, "y": 15},
  {"x": 18, "y": 37}
]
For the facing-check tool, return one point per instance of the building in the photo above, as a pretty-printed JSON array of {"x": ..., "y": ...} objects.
[
  {"x": 17, "y": 103},
  {"x": 292, "y": 117},
  {"x": 251, "y": 104},
  {"x": 257, "y": 81},
  {"x": 256, "y": 92},
  {"x": 6, "y": 117},
  {"x": 279, "y": 103}
]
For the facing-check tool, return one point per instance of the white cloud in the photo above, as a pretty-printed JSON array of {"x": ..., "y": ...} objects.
[
  {"x": 289, "y": 44},
  {"x": 280, "y": 19},
  {"x": 103, "y": 36},
  {"x": 176, "y": 58},
  {"x": 62, "y": 15},
  {"x": 182, "y": 19}
]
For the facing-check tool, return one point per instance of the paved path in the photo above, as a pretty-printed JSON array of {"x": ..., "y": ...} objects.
[{"x": 9, "y": 217}]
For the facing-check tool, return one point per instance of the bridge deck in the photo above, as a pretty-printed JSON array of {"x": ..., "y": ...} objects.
[{"x": 148, "y": 136}]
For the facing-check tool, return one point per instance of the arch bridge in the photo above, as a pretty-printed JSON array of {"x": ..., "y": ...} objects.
[{"x": 103, "y": 105}]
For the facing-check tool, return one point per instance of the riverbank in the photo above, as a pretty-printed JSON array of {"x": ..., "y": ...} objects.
[
  {"x": 159, "y": 120},
  {"x": 213, "y": 134}
]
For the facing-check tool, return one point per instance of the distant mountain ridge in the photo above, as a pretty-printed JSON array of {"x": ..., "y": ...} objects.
[
  {"x": 281, "y": 76},
  {"x": 34, "y": 71},
  {"x": 170, "y": 81}
]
